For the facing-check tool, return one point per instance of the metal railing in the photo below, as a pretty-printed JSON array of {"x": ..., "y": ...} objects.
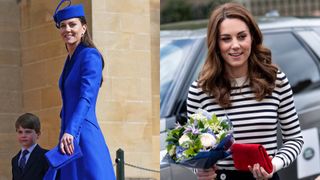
[{"x": 120, "y": 163}]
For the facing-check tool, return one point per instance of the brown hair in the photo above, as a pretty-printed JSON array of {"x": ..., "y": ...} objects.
[
  {"x": 261, "y": 72},
  {"x": 29, "y": 121},
  {"x": 87, "y": 40}
]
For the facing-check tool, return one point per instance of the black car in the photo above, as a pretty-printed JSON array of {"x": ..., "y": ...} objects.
[{"x": 295, "y": 47}]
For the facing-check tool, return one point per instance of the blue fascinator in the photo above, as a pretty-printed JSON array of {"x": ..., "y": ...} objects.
[{"x": 70, "y": 11}]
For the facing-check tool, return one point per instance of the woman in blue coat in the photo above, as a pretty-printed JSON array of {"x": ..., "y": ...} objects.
[{"x": 79, "y": 85}]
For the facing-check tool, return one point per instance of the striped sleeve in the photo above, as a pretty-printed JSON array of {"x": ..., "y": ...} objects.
[
  {"x": 194, "y": 99},
  {"x": 289, "y": 123}
]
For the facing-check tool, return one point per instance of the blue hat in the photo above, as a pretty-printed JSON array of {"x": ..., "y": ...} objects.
[{"x": 71, "y": 11}]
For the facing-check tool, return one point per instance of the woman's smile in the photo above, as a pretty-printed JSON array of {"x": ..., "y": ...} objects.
[{"x": 235, "y": 55}]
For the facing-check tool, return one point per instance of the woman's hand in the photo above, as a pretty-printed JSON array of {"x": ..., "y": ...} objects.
[
  {"x": 66, "y": 144},
  {"x": 206, "y": 174},
  {"x": 260, "y": 173}
]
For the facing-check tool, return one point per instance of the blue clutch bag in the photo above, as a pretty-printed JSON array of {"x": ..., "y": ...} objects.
[{"x": 57, "y": 160}]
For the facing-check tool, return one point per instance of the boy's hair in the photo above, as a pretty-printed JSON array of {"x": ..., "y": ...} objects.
[{"x": 30, "y": 121}]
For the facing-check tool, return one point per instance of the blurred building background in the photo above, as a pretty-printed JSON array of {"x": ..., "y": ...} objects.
[
  {"x": 32, "y": 55},
  {"x": 284, "y": 7},
  {"x": 185, "y": 10}
]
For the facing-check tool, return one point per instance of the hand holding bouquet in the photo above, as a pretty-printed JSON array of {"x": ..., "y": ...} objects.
[{"x": 201, "y": 142}]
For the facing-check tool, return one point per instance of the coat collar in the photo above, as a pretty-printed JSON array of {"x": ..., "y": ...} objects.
[{"x": 70, "y": 62}]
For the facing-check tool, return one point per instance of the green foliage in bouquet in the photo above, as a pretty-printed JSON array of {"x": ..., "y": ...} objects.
[{"x": 200, "y": 133}]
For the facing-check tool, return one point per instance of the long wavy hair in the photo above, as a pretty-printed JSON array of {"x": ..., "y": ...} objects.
[
  {"x": 261, "y": 72},
  {"x": 87, "y": 40}
]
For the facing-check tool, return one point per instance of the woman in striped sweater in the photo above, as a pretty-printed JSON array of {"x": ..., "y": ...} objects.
[{"x": 238, "y": 79}]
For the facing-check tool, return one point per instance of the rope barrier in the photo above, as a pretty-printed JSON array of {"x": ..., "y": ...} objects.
[{"x": 142, "y": 168}]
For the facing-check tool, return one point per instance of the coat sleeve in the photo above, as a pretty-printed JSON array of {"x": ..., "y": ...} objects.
[{"x": 91, "y": 74}]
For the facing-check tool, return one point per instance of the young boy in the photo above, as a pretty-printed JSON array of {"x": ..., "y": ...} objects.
[{"x": 30, "y": 162}]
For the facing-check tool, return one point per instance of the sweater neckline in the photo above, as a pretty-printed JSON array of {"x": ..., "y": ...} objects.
[{"x": 240, "y": 81}]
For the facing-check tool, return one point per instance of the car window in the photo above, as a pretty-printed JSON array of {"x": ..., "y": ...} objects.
[
  {"x": 293, "y": 59},
  {"x": 172, "y": 56},
  {"x": 202, "y": 59},
  {"x": 312, "y": 39}
]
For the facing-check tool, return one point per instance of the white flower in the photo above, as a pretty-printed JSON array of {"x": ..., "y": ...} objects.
[
  {"x": 198, "y": 117},
  {"x": 204, "y": 113},
  {"x": 184, "y": 138},
  {"x": 216, "y": 128},
  {"x": 207, "y": 140}
]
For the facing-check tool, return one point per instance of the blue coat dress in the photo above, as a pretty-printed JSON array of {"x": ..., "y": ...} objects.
[{"x": 79, "y": 85}]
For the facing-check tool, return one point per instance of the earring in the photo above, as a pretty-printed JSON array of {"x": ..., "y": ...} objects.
[{"x": 82, "y": 34}]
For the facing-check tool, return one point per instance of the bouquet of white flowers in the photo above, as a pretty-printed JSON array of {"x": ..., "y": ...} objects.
[{"x": 201, "y": 142}]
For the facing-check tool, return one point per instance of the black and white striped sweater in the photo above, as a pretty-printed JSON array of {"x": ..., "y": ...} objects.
[{"x": 256, "y": 122}]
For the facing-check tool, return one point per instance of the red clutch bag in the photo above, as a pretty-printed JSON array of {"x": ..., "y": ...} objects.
[{"x": 250, "y": 154}]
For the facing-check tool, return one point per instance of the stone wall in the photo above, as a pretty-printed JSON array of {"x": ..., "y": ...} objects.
[
  {"x": 32, "y": 55},
  {"x": 10, "y": 83},
  {"x": 127, "y": 33},
  {"x": 155, "y": 79}
]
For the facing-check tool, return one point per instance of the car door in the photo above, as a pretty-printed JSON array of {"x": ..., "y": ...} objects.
[
  {"x": 294, "y": 51},
  {"x": 178, "y": 63}
]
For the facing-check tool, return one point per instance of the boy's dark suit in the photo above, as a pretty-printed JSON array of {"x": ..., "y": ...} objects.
[{"x": 35, "y": 168}]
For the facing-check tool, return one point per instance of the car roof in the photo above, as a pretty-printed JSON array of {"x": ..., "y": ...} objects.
[
  {"x": 183, "y": 34},
  {"x": 287, "y": 22},
  {"x": 265, "y": 24}
]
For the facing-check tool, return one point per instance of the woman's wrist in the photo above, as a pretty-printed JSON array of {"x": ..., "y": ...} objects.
[{"x": 277, "y": 164}]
